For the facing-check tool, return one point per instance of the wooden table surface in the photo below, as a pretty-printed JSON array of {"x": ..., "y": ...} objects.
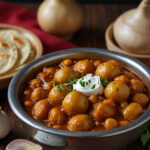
[{"x": 92, "y": 34}]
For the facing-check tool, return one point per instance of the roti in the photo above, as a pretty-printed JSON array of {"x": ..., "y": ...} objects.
[
  {"x": 8, "y": 56},
  {"x": 23, "y": 45}
]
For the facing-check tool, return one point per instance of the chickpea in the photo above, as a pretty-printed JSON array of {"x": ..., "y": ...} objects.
[
  {"x": 57, "y": 126},
  {"x": 122, "y": 78},
  {"x": 109, "y": 102},
  {"x": 48, "y": 85},
  {"x": 34, "y": 83},
  {"x": 38, "y": 94},
  {"x": 132, "y": 111},
  {"x": 123, "y": 122},
  {"x": 42, "y": 76},
  {"x": 57, "y": 116},
  {"x": 137, "y": 86},
  {"x": 130, "y": 75},
  {"x": 80, "y": 122},
  {"x": 57, "y": 94},
  {"x": 67, "y": 63},
  {"x": 109, "y": 69},
  {"x": 41, "y": 109},
  {"x": 102, "y": 111},
  {"x": 75, "y": 103},
  {"x": 27, "y": 94},
  {"x": 93, "y": 99},
  {"x": 101, "y": 98},
  {"x": 49, "y": 71},
  {"x": 117, "y": 90},
  {"x": 110, "y": 123},
  {"x": 63, "y": 74},
  {"x": 97, "y": 63},
  {"x": 98, "y": 123},
  {"x": 140, "y": 98},
  {"x": 28, "y": 103},
  {"x": 84, "y": 66}
]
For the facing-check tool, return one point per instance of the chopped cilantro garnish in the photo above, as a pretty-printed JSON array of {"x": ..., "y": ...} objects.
[
  {"x": 65, "y": 84},
  {"x": 75, "y": 80},
  {"x": 99, "y": 101},
  {"x": 93, "y": 87},
  {"x": 58, "y": 88},
  {"x": 89, "y": 116},
  {"x": 43, "y": 85},
  {"x": 81, "y": 74},
  {"x": 124, "y": 106},
  {"x": 105, "y": 82},
  {"x": 54, "y": 84},
  {"x": 72, "y": 81},
  {"x": 82, "y": 83},
  {"x": 68, "y": 90},
  {"x": 87, "y": 83},
  {"x": 145, "y": 137},
  {"x": 69, "y": 80},
  {"x": 89, "y": 80}
]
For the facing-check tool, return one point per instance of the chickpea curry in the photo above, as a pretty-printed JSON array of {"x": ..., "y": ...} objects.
[{"x": 85, "y": 95}]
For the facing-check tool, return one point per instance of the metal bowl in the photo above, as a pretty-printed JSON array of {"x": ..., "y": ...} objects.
[{"x": 105, "y": 140}]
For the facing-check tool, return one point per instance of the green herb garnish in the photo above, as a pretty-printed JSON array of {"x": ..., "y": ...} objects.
[
  {"x": 89, "y": 80},
  {"x": 99, "y": 101},
  {"x": 82, "y": 83},
  {"x": 93, "y": 87},
  {"x": 58, "y": 88},
  {"x": 43, "y": 85},
  {"x": 124, "y": 106},
  {"x": 68, "y": 90},
  {"x": 71, "y": 82},
  {"x": 54, "y": 84},
  {"x": 105, "y": 82},
  {"x": 89, "y": 116},
  {"x": 145, "y": 137},
  {"x": 65, "y": 84},
  {"x": 75, "y": 80},
  {"x": 81, "y": 74}
]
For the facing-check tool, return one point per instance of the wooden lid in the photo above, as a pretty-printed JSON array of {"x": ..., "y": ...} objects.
[{"x": 112, "y": 45}]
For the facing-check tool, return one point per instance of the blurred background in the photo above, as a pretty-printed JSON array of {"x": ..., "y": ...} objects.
[{"x": 84, "y": 1}]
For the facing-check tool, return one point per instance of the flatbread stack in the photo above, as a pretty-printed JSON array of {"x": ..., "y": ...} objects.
[{"x": 15, "y": 51}]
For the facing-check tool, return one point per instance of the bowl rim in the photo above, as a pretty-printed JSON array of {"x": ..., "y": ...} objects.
[{"x": 22, "y": 115}]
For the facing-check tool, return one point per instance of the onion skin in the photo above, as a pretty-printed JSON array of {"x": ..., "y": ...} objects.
[
  {"x": 21, "y": 144},
  {"x": 60, "y": 17},
  {"x": 5, "y": 124},
  {"x": 132, "y": 29}
]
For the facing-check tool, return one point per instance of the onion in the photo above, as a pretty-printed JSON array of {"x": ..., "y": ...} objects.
[
  {"x": 60, "y": 17},
  {"x": 132, "y": 29},
  {"x": 21, "y": 144},
  {"x": 5, "y": 124}
]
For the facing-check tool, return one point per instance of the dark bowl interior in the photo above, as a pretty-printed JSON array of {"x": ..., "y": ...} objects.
[{"x": 30, "y": 70}]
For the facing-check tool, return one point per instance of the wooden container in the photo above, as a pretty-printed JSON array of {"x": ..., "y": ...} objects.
[{"x": 130, "y": 33}]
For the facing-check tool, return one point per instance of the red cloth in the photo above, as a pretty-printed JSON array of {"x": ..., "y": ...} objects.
[{"x": 18, "y": 15}]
